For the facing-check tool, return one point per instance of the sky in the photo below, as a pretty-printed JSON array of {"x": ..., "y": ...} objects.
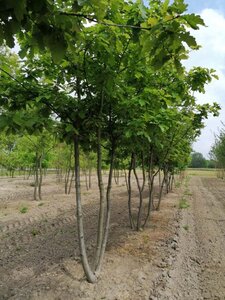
[{"x": 211, "y": 55}]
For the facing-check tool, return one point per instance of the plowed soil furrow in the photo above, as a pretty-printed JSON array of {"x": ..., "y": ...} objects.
[
  {"x": 180, "y": 255},
  {"x": 47, "y": 241},
  {"x": 198, "y": 270}
]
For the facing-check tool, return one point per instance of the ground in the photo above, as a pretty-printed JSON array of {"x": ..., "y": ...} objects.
[{"x": 180, "y": 255}]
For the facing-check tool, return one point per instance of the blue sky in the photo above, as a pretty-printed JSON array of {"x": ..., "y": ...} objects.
[{"x": 196, "y": 6}]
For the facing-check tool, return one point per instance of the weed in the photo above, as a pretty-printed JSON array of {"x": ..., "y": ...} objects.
[
  {"x": 177, "y": 184},
  {"x": 35, "y": 232},
  {"x": 145, "y": 239},
  {"x": 187, "y": 192},
  {"x": 183, "y": 203},
  {"x": 186, "y": 227},
  {"x": 23, "y": 209},
  {"x": 40, "y": 204}
]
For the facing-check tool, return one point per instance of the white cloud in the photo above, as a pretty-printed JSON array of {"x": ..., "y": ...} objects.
[{"x": 211, "y": 55}]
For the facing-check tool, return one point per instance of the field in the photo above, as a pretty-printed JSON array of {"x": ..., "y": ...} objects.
[
  {"x": 180, "y": 255},
  {"x": 202, "y": 172}
]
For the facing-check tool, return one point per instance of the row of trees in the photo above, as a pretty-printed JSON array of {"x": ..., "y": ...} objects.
[
  {"x": 217, "y": 151},
  {"x": 197, "y": 160},
  {"x": 115, "y": 86},
  {"x": 32, "y": 155}
]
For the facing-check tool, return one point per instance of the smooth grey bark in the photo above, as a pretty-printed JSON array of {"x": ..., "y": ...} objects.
[
  {"x": 151, "y": 178},
  {"x": 71, "y": 181},
  {"x": 172, "y": 182},
  {"x": 160, "y": 193},
  {"x": 138, "y": 225},
  {"x": 67, "y": 178},
  {"x": 91, "y": 277},
  {"x": 86, "y": 179},
  {"x": 108, "y": 212},
  {"x": 36, "y": 177},
  {"x": 102, "y": 201},
  {"x": 143, "y": 172},
  {"x": 40, "y": 178},
  {"x": 130, "y": 191},
  {"x": 150, "y": 199},
  {"x": 126, "y": 180},
  {"x": 89, "y": 176},
  {"x": 160, "y": 179},
  {"x": 116, "y": 176}
]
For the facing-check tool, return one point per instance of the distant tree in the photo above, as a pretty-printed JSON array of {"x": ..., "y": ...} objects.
[
  {"x": 198, "y": 160},
  {"x": 217, "y": 152},
  {"x": 211, "y": 163}
]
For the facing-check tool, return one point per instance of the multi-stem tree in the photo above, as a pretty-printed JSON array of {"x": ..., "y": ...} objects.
[{"x": 102, "y": 88}]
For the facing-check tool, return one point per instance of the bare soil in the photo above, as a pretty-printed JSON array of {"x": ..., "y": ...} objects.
[{"x": 180, "y": 255}]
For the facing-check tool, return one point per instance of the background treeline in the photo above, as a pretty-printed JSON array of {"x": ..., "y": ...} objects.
[
  {"x": 217, "y": 152},
  {"x": 197, "y": 160}
]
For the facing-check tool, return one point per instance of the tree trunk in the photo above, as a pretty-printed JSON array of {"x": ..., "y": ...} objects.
[
  {"x": 36, "y": 177},
  {"x": 86, "y": 179},
  {"x": 101, "y": 199},
  {"x": 71, "y": 181},
  {"x": 160, "y": 193},
  {"x": 89, "y": 177},
  {"x": 91, "y": 277},
  {"x": 150, "y": 198},
  {"x": 160, "y": 178},
  {"x": 151, "y": 178},
  {"x": 126, "y": 180},
  {"x": 138, "y": 225},
  {"x": 108, "y": 211},
  {"x": 129, "y": 192},
  {"x": 143, "y": 172},
  {"x": 40, "y": 178}
]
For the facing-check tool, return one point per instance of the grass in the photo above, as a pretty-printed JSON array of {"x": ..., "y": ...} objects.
[
  {"x": 23, "y": 209},
  {"x": 187, "y": 193},
  {"x": 202, "y": 172},
  {"x": 178, "y": 184},
  {"x": 186, "y": 227},
  {"x": 183, "y": 203},
  {"x": 35, "y": 232}
]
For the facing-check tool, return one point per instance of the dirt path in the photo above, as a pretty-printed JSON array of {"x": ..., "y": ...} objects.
[
  {"x": 198, "y": 271},
  {"x": 180, "y": 255}
]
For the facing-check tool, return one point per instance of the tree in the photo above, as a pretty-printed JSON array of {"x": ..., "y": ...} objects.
[
  {"x": 98, "y": 96},
  {"x": 197, "y": 160},
  {"x": 217, "y": 152}
]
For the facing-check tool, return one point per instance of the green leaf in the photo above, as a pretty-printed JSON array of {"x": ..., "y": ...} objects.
[
  {"x": 142, "y": 9},
  {"x": 189, "y": 39},
  {"x": 9, "y": 38},
  {"x": 3, "y": 121},
  {"x": 165, "y": 6},
  {"x": 152, "y": 21},
  {"x": 19, "y": 9},
  {"x": 17, "y": 119},
  {"x": 193, "y": 20},
  {"x": 57, "y": 47},
  {"x": 22, "y": 53},
  {"x": 179, "y": 6}
]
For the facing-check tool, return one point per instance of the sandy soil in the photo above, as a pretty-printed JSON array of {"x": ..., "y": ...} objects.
[{"x": 180, "y": 255}]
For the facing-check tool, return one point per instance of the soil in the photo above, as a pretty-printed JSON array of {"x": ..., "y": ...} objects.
[{"x": 180, "y": 255}]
